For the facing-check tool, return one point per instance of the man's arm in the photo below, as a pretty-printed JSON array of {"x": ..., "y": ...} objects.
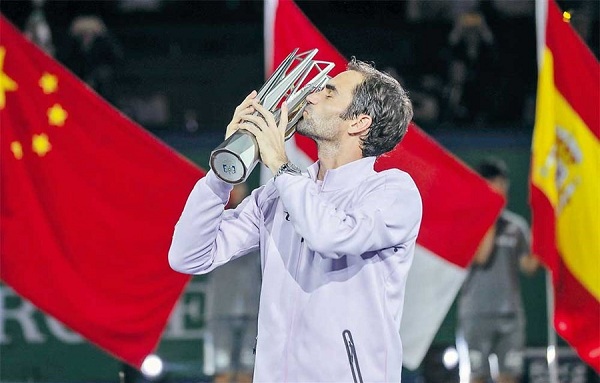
[
  {"x": 483, "y": 252},
  {"x": 388, "y": 214},
  {"x": 206, "y": 235},
  {"x": 528, "y": 263}
]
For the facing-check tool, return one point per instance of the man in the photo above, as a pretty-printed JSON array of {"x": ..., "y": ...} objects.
[
  {"x": 491, "y": 314},
  {"x": 335, "y": 244}
]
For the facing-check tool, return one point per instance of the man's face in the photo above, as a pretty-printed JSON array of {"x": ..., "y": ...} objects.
[
  {"x": 321, "y": 119},
  {"x": 499, "y": 184}
]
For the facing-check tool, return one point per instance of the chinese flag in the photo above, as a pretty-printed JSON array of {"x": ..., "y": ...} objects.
[
  {"x": 564, "y": 183},
  {"x": 88, "y": 205},
  {"x": 458, "y": 205}
]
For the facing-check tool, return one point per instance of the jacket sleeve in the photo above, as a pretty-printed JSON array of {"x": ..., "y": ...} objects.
[
  {"x": 387, "y": 214},
  {"x": 206, "y": 235}
]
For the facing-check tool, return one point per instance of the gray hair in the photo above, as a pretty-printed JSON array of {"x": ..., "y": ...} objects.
[{"x": 382, "y": 98}]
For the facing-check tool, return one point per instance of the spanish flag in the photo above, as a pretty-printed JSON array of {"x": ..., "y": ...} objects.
[
  {"x": 88, "y": 202},
  {"x": 565, "y": 183}
]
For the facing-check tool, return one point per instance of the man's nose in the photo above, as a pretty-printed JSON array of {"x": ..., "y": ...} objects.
[{"x": 312, "y": 98}]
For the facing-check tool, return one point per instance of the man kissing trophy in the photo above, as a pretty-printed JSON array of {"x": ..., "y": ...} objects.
[{"x": 236, "y": 157}]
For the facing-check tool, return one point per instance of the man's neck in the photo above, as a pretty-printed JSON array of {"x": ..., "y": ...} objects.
[{"x": 334, "y": 157}]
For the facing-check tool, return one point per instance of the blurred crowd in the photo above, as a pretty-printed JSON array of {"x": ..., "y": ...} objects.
[{"x": 464, "y": 62}]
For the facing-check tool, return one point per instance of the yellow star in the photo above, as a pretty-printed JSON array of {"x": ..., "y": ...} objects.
[
  {"x": 57, "y": 115},
  {"x": 48, "y": 82},
  {"x": 17, "y": 149},
  {"x": 40, "y": 144},
  {"x": 7, "y": 84}
]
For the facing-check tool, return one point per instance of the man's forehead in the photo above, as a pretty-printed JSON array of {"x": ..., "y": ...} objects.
[{"x": 346, "y": 81}]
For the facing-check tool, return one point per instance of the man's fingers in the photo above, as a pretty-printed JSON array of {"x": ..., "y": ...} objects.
[
  {"x": 250, "y": 96},
  {"x": 258, "y": 121},
  {"x": 247, "y": 110},
  {"x": 268, "y": 116},
  {"x": 244, "y": 108},
  {"x": 283, "y": 117},
  {"x": 255, "y": 130},
  {"x": 245, "y": 104}
]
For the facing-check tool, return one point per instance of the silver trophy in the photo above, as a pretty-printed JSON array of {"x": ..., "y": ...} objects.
[{"x": 236, "y": 157}]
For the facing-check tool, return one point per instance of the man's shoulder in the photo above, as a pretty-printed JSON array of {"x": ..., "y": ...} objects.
[
  {"x": 394, "y": 175},
  {"x": 265, "y": 193},
  {"x": 393, "y": 179}
]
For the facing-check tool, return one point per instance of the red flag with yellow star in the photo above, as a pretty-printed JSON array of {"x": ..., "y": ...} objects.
[
  {"x": 88, "y": 205},
  {"x": 565, "y": 166}
]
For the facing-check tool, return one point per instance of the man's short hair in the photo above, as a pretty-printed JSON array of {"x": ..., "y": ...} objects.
[
  {"x": 492, "y": 167},
  {"x": 381, "y": 97}
]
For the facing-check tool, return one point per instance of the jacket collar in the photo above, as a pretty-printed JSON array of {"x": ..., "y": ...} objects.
[{"x": 346, "y": 176}]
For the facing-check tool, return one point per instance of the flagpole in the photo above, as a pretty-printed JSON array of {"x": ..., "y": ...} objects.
[
  {"x": 541, "y": 19},
  {"x": 551, "y": 350},
  {"x": 541, "y": 16}
]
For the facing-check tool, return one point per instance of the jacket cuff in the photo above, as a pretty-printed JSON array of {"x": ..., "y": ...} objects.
[{"x": 218, "y": 186}]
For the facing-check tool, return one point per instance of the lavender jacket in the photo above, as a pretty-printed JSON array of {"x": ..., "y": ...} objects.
[{"x": 335, "y": 256}]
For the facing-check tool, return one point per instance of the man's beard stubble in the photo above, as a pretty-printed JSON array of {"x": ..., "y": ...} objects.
[
  {"x": 304, "y": 127},
  {"x": 320, "y": 131}
]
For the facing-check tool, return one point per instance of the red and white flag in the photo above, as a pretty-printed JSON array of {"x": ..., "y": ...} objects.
[
  {"x": 88, "y": 202},
  {"x": 451, "y": 228}
]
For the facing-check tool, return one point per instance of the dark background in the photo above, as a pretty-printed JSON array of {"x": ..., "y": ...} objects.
[{"x": 197, "y": 59}]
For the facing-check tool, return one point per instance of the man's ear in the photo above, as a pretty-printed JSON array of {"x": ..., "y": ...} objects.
[{"x": 360, "y": 125}]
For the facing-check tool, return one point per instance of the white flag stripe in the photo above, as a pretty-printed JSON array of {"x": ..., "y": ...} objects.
[{"x": 431, "y": 287}]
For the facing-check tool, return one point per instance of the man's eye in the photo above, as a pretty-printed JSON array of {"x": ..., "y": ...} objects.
[{"x": 316, "y": 89}]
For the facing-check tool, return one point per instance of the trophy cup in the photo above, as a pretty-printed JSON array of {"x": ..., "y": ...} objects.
[{"x": 236, "y": 157}]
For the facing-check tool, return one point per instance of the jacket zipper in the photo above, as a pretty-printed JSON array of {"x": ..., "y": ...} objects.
[{"x": 352, "y": 358}]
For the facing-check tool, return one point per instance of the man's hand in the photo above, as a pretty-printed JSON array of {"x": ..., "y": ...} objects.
[
  {"x": 242, "y": 109},
  {"x": 529, "y": 264},
  {"x": 269, "y": 136}
]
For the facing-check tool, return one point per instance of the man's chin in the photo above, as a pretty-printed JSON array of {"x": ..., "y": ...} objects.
[{"x": 301, "y": 127}]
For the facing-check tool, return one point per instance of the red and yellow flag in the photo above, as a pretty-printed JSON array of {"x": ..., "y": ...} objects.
[
  {"x": 565, "y": 182},
  {"x": 88, "y": 203}
]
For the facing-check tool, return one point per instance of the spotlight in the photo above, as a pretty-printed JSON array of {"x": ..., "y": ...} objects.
[
  {"x": 152, "y": 367},
  {"x": 551, "y": 354},
  {"x": 450, "y": 358}
]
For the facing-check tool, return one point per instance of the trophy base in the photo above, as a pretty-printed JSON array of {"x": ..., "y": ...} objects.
[
  {"x": 228, "y": 167},
  {"x": 235, "y": 158},
  {"x": 231, "y": 168}
]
